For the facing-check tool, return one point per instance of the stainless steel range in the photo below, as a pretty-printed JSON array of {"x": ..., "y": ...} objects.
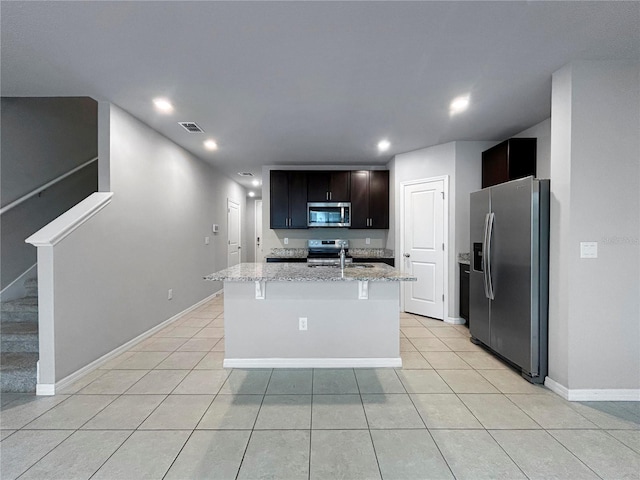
[{"x": 327, "y": 252}]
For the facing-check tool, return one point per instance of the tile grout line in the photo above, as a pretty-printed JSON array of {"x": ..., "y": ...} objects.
[
  {"x": 364, "y": 410},
  {"x": 44, "y": 455},
  {"x": 311, "y": 424},
  {"x": 425, "y": 424},
  {"x": 244, "y": 453}
]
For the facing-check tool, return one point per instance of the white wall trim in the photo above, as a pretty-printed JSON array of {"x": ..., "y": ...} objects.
[
  {"x": 66, "y": 223},
  {"x": 16, "y": 288},
  {"x": 45, "y": 389},
  {"x": 50, "y": 389},
  {"x": 455, "y": 320},
  {"x": 312, "y": 362},
  {"x": 593, "y": 394}
]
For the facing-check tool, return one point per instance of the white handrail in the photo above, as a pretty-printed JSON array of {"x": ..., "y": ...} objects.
[{"x": 26, "y": 197}]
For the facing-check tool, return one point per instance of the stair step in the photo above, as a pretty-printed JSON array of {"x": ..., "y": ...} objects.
[
  {"x": 20, "y": 309},
  {"x": 19, "y": 337},
  {"x": 31, "y": 287},
  {"x": 18, "y": 372}
]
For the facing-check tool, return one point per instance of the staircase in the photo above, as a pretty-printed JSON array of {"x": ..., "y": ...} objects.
[{"x": 19, "y": 341}]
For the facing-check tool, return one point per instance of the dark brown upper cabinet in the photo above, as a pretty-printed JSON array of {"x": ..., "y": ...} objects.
[
  {"x": 370, "y": 199},
  {"x": 288, "y": 197},
  {"x": 327, "y": 186},
  {"x": 509, "y": 160}
]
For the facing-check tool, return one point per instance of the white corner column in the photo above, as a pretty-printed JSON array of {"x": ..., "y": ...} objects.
[{"x": 594, "y": 304}]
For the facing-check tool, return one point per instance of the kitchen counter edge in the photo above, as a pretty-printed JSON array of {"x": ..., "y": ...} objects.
[{"x": 300, "y": 272}]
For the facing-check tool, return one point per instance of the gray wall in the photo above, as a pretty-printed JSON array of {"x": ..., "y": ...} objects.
[
  {"x": 41, "y": 139},
  {"x": 112, "y": 274},
  {"x": 462, "y": 162},
  {"x": 250, "y": 229},
  {"x": 594, "y": 327}
]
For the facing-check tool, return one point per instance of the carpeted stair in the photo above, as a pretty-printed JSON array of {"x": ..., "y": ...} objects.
[{"x": 19, "y": 341}]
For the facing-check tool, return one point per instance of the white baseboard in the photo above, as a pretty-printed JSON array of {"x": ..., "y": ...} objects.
[
  {"x": 45, "y": 389},
  {"x": 16, "y": 288},
  {"x": 312, "y": 362},
  {"x": 455, "y": 320},
  {"x": 50, "y": 389},
  {"x": 593, "y": 394}
]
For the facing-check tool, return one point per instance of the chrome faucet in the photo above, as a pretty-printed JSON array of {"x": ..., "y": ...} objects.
[{"x": 342, "y": 257}]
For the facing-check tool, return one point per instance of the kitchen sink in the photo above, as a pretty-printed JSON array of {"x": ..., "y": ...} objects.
[{"x": 359, "y": 265}]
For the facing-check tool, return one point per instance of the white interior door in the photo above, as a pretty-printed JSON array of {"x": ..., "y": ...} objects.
[
  {"x": 259, "y": 253},
  {"x": 233, "y": 233},
  {"x": 423, "y": 247}
]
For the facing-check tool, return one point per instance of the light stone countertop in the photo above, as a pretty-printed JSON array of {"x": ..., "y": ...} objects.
[
  {"x": 301, "y": 272},
  {"x": 353, "y": 252},
  {"x": 464, "y": 258}
]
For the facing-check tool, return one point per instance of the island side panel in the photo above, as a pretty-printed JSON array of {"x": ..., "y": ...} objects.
[{"x": 339, "y": 325}]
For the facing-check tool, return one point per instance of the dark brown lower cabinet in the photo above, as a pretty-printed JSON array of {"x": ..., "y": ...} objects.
[{"x": 464, "y": 291}]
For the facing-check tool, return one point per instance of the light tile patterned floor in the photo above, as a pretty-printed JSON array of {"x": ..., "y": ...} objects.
[{"x": 167, "y": 409}]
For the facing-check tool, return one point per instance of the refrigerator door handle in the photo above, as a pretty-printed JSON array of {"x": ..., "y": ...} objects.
[
  {"x": 485, "y": 255},
  {"x": 491, "y": 218}
]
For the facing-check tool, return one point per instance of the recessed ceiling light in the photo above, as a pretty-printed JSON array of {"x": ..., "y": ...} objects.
[
  {"x": 383, "y": 145},
  {"x": 245, "y": 174},
  {"x": 251, "y": 194},
  {"x": 459, "y": 104},
  {"x": 256, "y": 182},
  {"x": 210, "y": 144},
  {"x": 163, "y": 105}
]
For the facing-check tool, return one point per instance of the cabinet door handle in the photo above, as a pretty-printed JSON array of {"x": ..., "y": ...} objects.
[
  {"x": 330, "y": 195},
  {"x": 327, "y": 195}
]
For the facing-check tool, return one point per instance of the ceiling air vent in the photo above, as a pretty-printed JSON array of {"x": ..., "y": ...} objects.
[
  {"x": 245, "y": 174},
  {"x": 191, "y": 127}
]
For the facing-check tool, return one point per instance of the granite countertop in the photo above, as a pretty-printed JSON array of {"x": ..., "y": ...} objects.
[
  {"x": 464, "y": 258},
  {"x": 288, "y": 253},
  {"x": 353, "y": 252},
  {"x": 301, "y": 272}
]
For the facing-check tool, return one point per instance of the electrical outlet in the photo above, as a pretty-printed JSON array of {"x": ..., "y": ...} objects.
[
  {"x": 302, "y": 323},
  {"x": 367, "y": 241},
  {"x": 170, "y": 294},
  {"x": 206, "y": 240},
  {"x": 286, "y": 241}
]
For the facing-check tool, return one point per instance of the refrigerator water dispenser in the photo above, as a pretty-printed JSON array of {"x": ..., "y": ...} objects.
[{"x": 477, "y": 257}]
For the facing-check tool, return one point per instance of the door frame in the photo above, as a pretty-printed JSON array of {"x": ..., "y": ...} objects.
[
  {"x": 255, "y": 227},
  {"x": 235, "y": 202},
  {"x": 445, "y": 239}
]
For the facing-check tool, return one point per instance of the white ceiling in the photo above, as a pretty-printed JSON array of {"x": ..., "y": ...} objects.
[{"x": 312, "y": 82}]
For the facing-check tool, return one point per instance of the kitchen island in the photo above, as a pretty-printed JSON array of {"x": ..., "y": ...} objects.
[{"x": 290, "y": 315}]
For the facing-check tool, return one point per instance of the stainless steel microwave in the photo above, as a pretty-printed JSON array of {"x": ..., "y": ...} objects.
[{"x": 329, "y": 214}]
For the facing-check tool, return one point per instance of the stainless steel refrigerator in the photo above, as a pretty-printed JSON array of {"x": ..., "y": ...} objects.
[{"x": 509, "y": 274}]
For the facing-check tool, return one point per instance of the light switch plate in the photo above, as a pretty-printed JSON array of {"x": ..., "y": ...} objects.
[
  {"x": 588, "y": 249},
  {"x": 206, "y": 240},
  {"x": 286, "y": 241},
  {"x": 367, "y": 241}
]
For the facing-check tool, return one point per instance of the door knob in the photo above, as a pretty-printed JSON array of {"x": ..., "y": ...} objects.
[{"x": 407, "y": 255}]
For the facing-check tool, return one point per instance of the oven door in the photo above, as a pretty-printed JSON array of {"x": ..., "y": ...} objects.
[{"x": 329, "y": 214}]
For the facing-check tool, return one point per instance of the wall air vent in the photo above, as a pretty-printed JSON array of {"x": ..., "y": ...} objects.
[
  {"x": 191, "y": 127},
  {"x": 245, "y": 174}
]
